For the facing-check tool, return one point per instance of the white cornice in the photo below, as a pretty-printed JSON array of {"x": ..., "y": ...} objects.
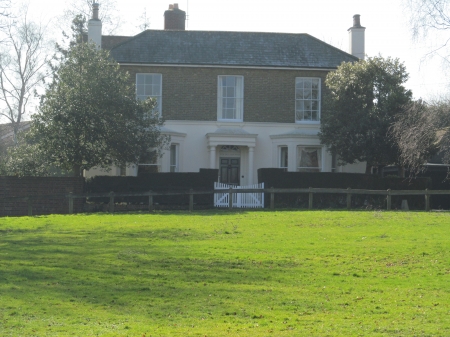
[{"x": 222, "y": 66}]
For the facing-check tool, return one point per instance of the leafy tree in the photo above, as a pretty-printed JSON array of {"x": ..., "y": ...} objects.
[
  {"x": 364, "y": 99},
  {"x": 422, "y": 131},
  {"x": 90, "y": 117}
]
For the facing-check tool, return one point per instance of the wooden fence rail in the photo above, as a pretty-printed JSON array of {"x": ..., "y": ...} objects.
[{"x": 272, "y": 191}]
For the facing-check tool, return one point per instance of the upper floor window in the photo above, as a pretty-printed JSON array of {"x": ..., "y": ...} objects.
[
  {"x": 230, "y": 98},
  {"x": 150, "y": 85},
  {"x": 307, "y": 99}
]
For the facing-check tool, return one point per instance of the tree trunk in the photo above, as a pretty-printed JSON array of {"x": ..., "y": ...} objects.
[{"x": 368, "y": 168}]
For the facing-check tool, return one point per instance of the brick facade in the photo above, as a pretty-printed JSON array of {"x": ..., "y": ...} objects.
[
  {"x": 57, "y": 187},
  {"x": 190, "y": 93}
]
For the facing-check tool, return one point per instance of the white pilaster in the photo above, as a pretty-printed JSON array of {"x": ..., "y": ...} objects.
[
  {"x": 251, "y": 155},
  {"x": 212, "y": 157}
]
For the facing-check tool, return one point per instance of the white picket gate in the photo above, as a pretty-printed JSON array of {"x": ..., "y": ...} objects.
[{"x": 240, "y": 200}]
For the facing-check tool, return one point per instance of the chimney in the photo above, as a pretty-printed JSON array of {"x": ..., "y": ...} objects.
[
  {"x": 356, "y": 38},
  {"x": 174, "y": 18},
  {"x": 95, "y": 27}
]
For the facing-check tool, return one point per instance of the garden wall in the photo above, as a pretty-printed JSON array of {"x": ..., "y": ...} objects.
[
  {"x": 157, "y": 182},
  {"x": 42, "y": 187},
  {"x": 278, "y": 178}
]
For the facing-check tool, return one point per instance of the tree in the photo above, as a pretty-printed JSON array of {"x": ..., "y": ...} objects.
[
  {"x": 422, "y": 131},
  {"x": 430, "y": 16},
  {"x": 23, "y": 67},
  {"x": 111, "y": 18},
  {"x": 364, "y": 99},
  {"x": 90, "y": 117}
]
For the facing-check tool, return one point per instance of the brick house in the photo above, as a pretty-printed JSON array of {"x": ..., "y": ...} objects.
[{"x": 235, "y": 101}]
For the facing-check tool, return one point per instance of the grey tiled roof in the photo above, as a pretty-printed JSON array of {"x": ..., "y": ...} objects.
[{"x": 229, "y": 49}]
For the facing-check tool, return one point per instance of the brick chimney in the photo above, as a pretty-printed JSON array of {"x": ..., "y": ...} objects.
[
  {"x": 174, "y": 18},
  {"x": 95, "y": 27},
  {"x": 356, "y": 38}
]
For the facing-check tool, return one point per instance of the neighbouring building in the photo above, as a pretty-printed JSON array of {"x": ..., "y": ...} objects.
[{"x": 235, "y": 101}]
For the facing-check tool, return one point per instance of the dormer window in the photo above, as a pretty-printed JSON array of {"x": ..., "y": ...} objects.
[
  {"x": 230, "y": 98},
  {"x": 307, "y": 100}
]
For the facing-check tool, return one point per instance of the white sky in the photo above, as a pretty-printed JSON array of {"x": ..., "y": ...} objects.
[{"x": 386, "y": 22}]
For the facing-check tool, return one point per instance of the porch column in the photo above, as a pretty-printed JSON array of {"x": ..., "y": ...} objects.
[
  {"x": 251, "y": 152},
  {"x": 212, "y": 157}
]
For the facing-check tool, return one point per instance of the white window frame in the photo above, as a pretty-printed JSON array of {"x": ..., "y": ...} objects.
[
  {"x": 283, "y": 148},
  {"x": 307, "y": 100},
  {"x": 318, "y": 168},
  {"x": 174, "y": 157},
  {"x": 236, "y": 100},
  {"x": 145, "y": 90}
]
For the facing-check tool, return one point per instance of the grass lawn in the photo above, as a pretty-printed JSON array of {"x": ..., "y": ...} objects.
[{"x": 290, "y": 273}]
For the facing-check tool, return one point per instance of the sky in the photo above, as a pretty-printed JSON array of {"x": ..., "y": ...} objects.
[{"x": 388, "y": 31}]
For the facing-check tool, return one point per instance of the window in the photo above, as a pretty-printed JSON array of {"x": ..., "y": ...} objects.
[
  {"x": 283, "y": 157},
  {"x": 149, "y": 163},
  {"x": 150, "y": 85},
  {"x": 307, "y": 99},
  {"x": 230, "y": 98},
  {"x": 174, "y": 158},
  {"x": 309, "y": 159}
]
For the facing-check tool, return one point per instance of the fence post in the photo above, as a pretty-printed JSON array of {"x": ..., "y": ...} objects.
[
  {"x": 427, "y": 200},
  {"x": 111, "y": 202},
  {"x": 272, "y": 199},
  {"x": 310, "y": 204},
  {"x": 191, "y": 200},
  {"x": 230, "y": 198},
  {"x": 30, "y": 206},
  {"x": 349, "y": 198},
  {"x": 70, "y": 203},
  {"x": 389, "y": 200},
  {"x": 150, "y": 201}
]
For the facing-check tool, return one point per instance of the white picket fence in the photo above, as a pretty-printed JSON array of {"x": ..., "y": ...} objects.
[{"x": 240, "y": 200}]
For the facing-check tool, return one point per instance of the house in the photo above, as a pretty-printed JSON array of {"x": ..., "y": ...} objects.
[{"x": 234, "y": 101}]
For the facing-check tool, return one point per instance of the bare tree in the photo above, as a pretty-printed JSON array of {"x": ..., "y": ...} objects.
[
  {"x": 144, "y": 21},
  {"x": 423, "y": 130},
  {"x": 431, "y": 16},
  {"x": 110, "y": 16},
  {"x": 23, "y": 67}
]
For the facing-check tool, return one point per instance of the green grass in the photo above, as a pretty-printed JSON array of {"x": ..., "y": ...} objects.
[{"x": 321, "y": 273}]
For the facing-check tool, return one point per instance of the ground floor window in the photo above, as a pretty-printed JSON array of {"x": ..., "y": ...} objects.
[
  {"x": 309, "y": 159},
  {"x": 149, "y": 164},
  {"x": 283, "y": 162},
  {"x": 174, "y": 157}
]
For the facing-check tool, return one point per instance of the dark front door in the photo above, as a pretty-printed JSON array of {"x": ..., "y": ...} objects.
[{"x": 229, "y": 171}]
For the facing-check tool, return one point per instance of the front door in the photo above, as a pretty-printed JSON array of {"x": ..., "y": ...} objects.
[{"x": 229, "y": 171}]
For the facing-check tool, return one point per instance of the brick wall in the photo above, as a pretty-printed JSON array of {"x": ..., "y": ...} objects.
[
  {"x": 39, "y": 186},
  {"x": 190, "y": 93}
]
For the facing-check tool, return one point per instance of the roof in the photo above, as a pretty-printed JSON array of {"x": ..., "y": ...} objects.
[{"x": 179, "y": 47}]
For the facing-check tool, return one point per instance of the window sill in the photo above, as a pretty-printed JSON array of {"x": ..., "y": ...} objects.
[
  {"x": 308, "y": 122},
  {"x": 230, "y": 120}
]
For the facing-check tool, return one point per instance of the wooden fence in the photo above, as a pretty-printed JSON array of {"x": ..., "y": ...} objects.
[{"x": 272, "y": 191}]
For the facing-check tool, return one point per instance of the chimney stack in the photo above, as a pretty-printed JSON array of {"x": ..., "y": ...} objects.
[
  {"x": 174, "y": 18},
  {"x": 95, "y": 27},
  {"x": 356, "y": 38}
]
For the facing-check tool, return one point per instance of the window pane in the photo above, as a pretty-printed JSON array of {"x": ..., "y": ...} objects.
[
  {"x": 140, "y": 90},
  {"x": 307, "y": 96},
  {"x": 140, "y": 79},
  {"x": 231, "y": 81}
]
